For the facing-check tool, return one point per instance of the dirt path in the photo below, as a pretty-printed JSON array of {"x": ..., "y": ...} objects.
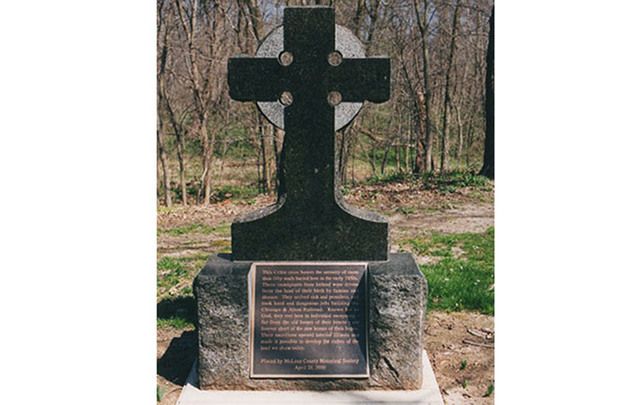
[{"x": 469, "y": 217}]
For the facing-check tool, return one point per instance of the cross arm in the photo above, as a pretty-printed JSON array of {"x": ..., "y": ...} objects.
[
  {"x": 255, "y": 79},
  {"x": 362, "y": 79}
]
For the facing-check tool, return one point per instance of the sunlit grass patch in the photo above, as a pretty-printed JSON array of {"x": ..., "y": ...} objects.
[
  {"x": 394, "y": 177},
  {"x": 175, "y": 274},
  {"x": 175, "y": 322},
  {"x": 462, "y": 276},
  {"x": 222, "y": 230}
]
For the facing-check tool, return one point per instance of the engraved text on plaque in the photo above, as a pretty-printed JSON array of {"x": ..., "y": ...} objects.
[{"x": 309, "y": 320}]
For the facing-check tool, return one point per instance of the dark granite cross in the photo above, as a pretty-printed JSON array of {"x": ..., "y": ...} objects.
[{"x": 310, "y": 220}]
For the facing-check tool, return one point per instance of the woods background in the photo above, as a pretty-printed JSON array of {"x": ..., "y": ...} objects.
[{"x": 439, "y": 118}]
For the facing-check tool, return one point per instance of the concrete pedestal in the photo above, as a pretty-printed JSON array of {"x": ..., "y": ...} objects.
[{"x": 428, "y": 394}]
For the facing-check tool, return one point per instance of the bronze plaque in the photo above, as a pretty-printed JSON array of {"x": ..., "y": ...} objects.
[{"x": 309, "y": 320}]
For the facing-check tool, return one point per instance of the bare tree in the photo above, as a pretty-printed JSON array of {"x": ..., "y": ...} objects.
[
  {"x": 166, "y": 174},
  {"x": 439, "y": 103},
  {"x": 488, "y": 168},
  {"x": 443, "y": 166},
  {"x": 424, "y": 158},
  {"x": 204, "y": 30}
]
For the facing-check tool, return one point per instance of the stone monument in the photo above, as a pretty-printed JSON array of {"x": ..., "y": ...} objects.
[{"x": 310, "y": 298}]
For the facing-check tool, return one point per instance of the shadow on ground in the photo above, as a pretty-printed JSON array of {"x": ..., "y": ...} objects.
[
  {"x": 178, "y": 358},
  {"x": 179, "y": 307}
]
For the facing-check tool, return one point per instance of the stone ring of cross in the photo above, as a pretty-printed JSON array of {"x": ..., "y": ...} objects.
[{"x": 346, "y": 46}]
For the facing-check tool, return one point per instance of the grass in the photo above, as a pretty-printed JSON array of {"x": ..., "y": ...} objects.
[
  {"x": 460, "y": 278},
  {"x": 175, "y": 274},
  {"x": 407, "y": 210},
  {"x": 177, "y": 312},
  {"x": 222, "y": 230},
  {"x": 170, "y": 272},
  {"x": 462, "y": 275},
  {"x": 450, "y": 182},
  {"x": 395, "y": 177},
  {"x": 176, "y": 304},
  {"x": 174, "y": 322},
  {"x": 489, "y": 391},
  {"x": 219, "y": 193}
]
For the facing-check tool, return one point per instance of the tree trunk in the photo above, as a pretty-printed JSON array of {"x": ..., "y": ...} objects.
[
  {"x": 265, "y": 183},
  {"x": 407, "y": 152},
  {"x": 181, "y": 166},
  {"x": 163, "y": 57},
  {"x": 278, "y": 138},
  {"x": 397, "y": 145},
  {"x": 344, "y": 149},
  {"x": 179, "y": 143},
  {"x": 387, "y": 149},
  {"x": 371, "y": 160},
  {"x": 424, "y": 149},
  {"x": 488, "y": 168},
  {"x": 207, "y": 157},
  {"x": 208, "y": 188},
  {"x": 352, "y": 146},
  {"x": 460, "y": 136},
  {"x": 202, "y": 94},
  {"x": 443, "y": 167},
  {"x": 166, "y": 180},
  {"x": 423, "y": 158},
  {"x": 469, "y": 137}
]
